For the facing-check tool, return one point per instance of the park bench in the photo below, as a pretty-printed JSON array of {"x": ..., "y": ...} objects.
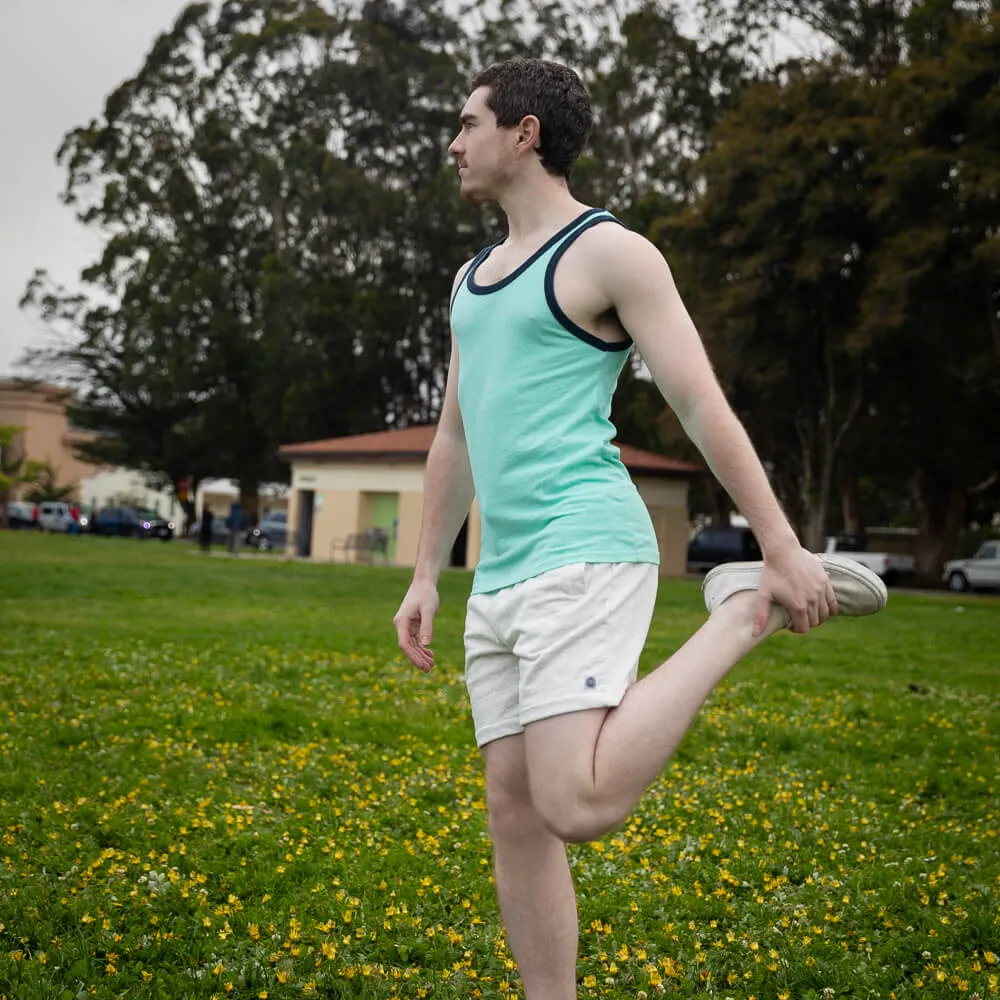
[{"x": 362, "y": 547}]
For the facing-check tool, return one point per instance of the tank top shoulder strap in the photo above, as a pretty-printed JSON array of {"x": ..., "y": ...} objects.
[
  {"x": 586, "y": 221},
  {"x": 469, "y": 268},
  {"x": 592, "y": 219}
]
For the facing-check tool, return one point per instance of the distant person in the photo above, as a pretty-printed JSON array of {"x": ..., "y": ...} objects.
[
  {"x": 205, "y": 529},
  {"x": 236, "y": 522},
  {"x": 74, "y": 519},
  {"x": 543, "y": 322}
]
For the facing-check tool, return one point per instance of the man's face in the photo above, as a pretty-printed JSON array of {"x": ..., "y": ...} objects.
[{"x": 483, "y": 151}]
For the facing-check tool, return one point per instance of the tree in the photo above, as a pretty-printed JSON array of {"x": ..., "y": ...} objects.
[
  {"x": 932, "y": 309},
  {"x": 44, "y": 487},
  {"x": 282, "y": 247},
  {"x": 16, "y": 469},
  {"x": 775, "y": 252},
  {"x": 842, "y": 229}
]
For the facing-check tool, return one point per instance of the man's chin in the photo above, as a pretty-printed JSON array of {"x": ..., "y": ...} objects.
[{"x": 473, "y": 194}]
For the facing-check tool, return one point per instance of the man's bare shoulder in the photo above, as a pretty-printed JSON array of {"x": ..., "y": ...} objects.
[
  {"x": 610, "y": 252},
  {"x": 460, "y": 274},
  {"x": 615, "y": 242}
]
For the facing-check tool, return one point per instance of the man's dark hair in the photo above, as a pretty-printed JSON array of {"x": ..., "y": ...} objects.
[{"x": 554, "y": 94}]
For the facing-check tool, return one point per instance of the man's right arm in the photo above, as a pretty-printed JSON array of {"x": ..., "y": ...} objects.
[
  {"x": 448, "y": 495},
  {"x": 448, "y": 489}
]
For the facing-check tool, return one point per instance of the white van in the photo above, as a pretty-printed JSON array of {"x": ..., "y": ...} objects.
[{"x": 54, "y": 516}]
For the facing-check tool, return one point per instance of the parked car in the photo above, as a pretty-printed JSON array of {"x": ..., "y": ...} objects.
[
  {"x": 156, "y": 526},
  {"x": 53, "y": 516},
  {"x": 713, "y": 546},
  {"x": 21, "y": 515},
  {"x": 891, "y": 566},
  {"x": 131, "y": 522},
  {"x": 270, "y": 533},
  {"x": 982, "y": 570}
]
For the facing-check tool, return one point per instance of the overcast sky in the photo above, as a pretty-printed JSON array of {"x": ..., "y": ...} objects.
[{"x": 59, "y": 59}]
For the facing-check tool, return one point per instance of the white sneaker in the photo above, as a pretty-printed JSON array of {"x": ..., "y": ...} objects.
[{"x": 859, "y": 591}]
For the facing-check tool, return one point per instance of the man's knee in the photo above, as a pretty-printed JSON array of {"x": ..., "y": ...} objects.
[
  {"x": 574, "y": 815},
  {"x": 510, "y": 809},
  {"x": 517, "y": 815}
]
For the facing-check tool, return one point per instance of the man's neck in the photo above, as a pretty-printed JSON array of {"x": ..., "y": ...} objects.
[{"x": 543, "y": 206}]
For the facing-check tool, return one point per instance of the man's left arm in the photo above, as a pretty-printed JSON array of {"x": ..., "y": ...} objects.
[{"x": 643, "y": 293}]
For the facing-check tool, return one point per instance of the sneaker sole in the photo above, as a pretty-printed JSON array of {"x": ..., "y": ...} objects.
[{"x": 861, "y": 575}]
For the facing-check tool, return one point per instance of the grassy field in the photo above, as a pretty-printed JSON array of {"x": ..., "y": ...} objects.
[{"x": 218, "y": 778}]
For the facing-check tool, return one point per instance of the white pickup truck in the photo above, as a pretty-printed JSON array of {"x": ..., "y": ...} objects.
[
  {"x": 982, "y": 570},
  {"x": 891, "y": 566}
]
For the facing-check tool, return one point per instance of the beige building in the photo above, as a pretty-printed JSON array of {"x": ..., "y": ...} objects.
[
  {"x": 47, "y": 437},
  {"x": 348, "y": 491}
]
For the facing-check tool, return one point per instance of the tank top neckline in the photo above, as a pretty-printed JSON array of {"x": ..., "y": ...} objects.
[{"x": 478, "y": 289}]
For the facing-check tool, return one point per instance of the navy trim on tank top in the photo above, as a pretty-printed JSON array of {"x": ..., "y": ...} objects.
[
  {"x": 550, "y": 293},
  {"x": 478, "y": 289},
  {"x": 472, "y": 266}
]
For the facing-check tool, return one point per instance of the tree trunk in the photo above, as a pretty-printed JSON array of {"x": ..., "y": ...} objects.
[
  {"x": 720, "y": 502},
  {"x": 850, "y": 502},
  {"x": 940, "y": 508},
  {"x": 820, "y": 461},
  {"x": 249, "y": 502},
  {"x": 814, "y": 535},
  {"x": 784, "y": 482}
]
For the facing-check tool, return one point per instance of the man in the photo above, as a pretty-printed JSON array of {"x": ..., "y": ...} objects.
[
  {"x": 564, "y": 590},
  {"x": 205, "y": 529},
  {"x": 236, "y": 521}
]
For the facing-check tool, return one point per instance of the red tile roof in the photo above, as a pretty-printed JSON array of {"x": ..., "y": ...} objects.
[{"x": 411, "y": 444}]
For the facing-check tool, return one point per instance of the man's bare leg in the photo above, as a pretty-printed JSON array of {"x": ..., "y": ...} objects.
[
  {"x": 589, "y": 769},
  {"x": 534, "y": 886}
]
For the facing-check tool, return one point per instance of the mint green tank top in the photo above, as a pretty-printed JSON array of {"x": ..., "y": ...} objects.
[{"x": 535, "y": 390}]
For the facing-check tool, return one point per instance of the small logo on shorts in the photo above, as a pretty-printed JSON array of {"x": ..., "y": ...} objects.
[{"x": 591, "y": 682}]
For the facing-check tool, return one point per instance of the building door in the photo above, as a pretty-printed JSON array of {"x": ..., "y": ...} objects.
[
  {"x": 307, "y": 502},
  {"x": 385, "y": 515}
]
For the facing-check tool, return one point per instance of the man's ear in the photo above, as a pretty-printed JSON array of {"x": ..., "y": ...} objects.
[{"x": 529, "y": 133}]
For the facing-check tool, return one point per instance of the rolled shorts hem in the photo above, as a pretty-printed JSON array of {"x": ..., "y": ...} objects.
[
  {"x": 490, "y": 734},
  {"x": 539, "y": 713},
  {"x": 566, "y": 706}
]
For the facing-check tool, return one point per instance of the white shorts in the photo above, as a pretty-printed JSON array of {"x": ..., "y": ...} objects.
[{"x": 564, "y": 641}]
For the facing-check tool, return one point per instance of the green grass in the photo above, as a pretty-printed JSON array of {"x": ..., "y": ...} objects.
[{"x": 218, "y": 778}]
